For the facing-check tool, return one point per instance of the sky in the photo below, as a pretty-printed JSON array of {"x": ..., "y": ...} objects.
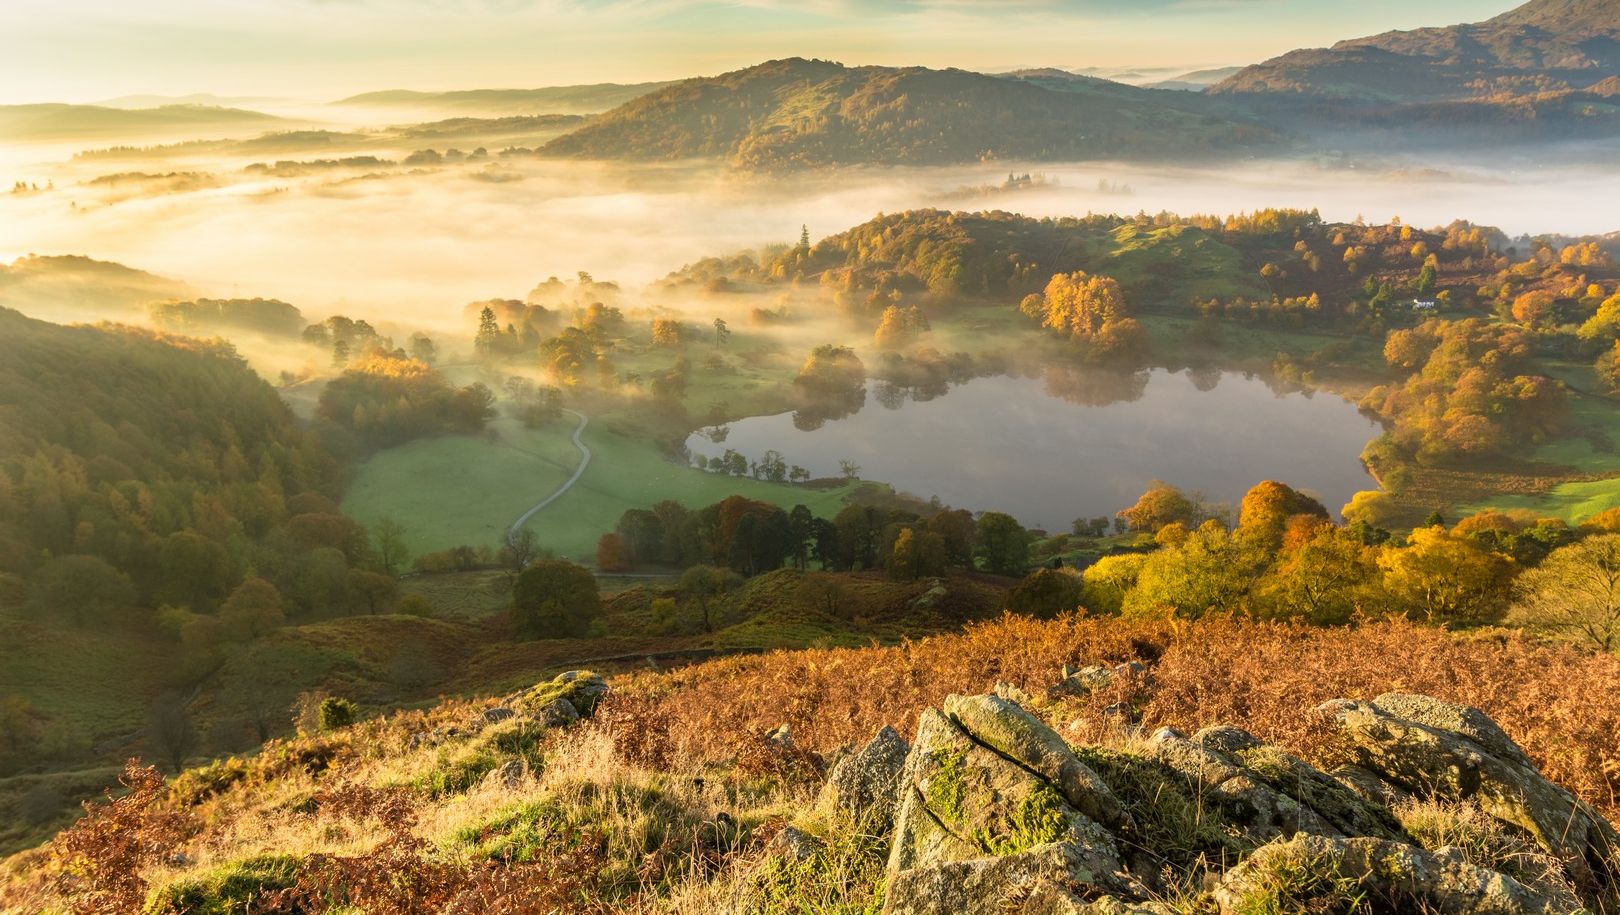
[{"x": 320, "y": 50}]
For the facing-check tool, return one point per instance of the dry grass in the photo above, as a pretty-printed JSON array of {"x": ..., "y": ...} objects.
[
  {"x": 1556, "y": 701},
  {"x": 667, "y": 801}
]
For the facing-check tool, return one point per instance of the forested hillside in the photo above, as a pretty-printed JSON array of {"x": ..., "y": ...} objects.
[
  {"x": 788, "y": 113},
  {"x": 162, "y": 460}
]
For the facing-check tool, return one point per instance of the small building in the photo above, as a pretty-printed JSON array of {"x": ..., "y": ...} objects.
[{"x": 1425, "y": 305}]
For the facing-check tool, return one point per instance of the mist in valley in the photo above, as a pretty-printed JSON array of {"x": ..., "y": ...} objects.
[{"x": 410, "y": 243}]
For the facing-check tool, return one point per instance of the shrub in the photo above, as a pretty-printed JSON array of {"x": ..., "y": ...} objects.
[{"x": 337, "y": 712}]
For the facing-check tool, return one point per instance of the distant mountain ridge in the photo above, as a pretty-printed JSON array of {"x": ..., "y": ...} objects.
[
  {"x": 1542, "y": 46},
  {"x": 797, "y": 112},
  {"x": 50, "y": 121},
  {"x": 582, "y": 99}
]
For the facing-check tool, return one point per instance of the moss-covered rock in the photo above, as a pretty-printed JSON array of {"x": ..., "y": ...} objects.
[
  {"x": 1367, "y": 875},
  {"x": 1456, "y": 753},
  {"x": 1346, "y": 810},
  {"x": 581, "y": 689},
  {"x": 1021, "y": 737},
  {"x": 972, "y": 814}
]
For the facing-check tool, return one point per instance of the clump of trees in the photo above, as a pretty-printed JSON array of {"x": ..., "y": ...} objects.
[
  {"x": 1471, "y": 393},
  {"x": 270, "y": 317},
  {"x": 1286, "y": 559},
  {"x": 385, "y": 400},
  {"x": 831, "y": 384},
  {"x": 1087, "y": 310},
  {"x": 752, "y": 537}
]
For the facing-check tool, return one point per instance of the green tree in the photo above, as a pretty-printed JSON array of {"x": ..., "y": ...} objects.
[
  {"x": 170, "y": 731},
  {"x": 1046, "y": 593},
  {"x": 1003, "y": 544},
  {"x": 196, "y": 571},
  {"x": 487, "y": 340},
  {"x": 389, "y": 538},
  {"x": 1574, "y": 593},
  {"x": 82, "y": 588},
  {"x": 1109, "y": 579},
  {"x": 554, "y": 599},
  {"x": 704, "y": 585}
]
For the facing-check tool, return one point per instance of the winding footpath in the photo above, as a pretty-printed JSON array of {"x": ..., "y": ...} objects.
[{"x": 584, "y": 461}]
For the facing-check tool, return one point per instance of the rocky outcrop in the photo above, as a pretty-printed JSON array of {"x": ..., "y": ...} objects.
[
  {"x": 995, "y": 812},
  {"x": 992, "y": 814},
  {"x": 562, "y": 700},
  {"x": 1272, "y": 792},
  {"x": 866, "y": 785},
  {"x": 1304, "y": 873},
  {"x": 1424, "y": 747}
]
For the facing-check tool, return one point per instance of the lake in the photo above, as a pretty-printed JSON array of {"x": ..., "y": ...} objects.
[{"x": 1077, "y": 442}]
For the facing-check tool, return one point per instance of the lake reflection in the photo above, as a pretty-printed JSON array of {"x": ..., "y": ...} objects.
[{"x": 1078, "y": 442}]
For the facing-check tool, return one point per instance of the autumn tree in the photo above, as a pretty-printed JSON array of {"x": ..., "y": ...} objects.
[
  {"x": 611, "y": 553},
  {"x": 1209, "y": 572},
  {"x": 1325, "y": 580},
  {"x": 917, "y": 553},
  {"x": 1574, "y": 593},
  {"x": 252, "y": 611},
  {"x": 1089, "y": 310},
  {"x": 1443, "y": 578},
  {"x": 899, "y": 326},
  {"x": 1266, "y": 509},
  {"x": 1159, "y": 505},
  {"x": 371, "y": 591},
  {"x": 668, "y": 332}
]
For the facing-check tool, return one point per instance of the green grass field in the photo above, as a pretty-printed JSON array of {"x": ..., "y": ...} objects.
[
  {"x": 455, "y": 490},
  {"x": 462, "y": 489}
]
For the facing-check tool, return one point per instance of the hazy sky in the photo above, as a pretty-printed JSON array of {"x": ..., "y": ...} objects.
[{"x": 84, "y": 50}]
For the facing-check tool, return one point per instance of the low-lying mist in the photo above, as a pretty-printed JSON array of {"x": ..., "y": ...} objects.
[{"x": 411, "y": 244}]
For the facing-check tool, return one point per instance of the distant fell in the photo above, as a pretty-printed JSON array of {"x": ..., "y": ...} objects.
[
  {"x": 797, "y": 113},
  {"x": 582, "y": 99},
  {"x": 1545, "y": 45},
  {"x": 52, "y": 121}
]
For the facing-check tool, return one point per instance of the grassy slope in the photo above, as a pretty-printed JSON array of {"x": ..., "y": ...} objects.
[{"x": 46, "y": 665}]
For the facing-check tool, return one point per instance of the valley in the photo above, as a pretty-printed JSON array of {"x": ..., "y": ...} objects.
[{"x": 769, "y": 482}]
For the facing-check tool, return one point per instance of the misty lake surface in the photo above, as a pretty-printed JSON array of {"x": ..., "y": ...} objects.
[{"x": 1078, "y": 442}]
